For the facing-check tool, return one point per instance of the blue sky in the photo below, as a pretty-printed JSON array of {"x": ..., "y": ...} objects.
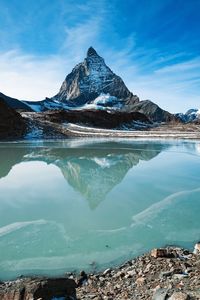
[{"x": 153, "y": 45}]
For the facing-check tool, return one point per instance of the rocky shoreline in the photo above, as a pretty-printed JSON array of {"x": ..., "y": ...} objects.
[{"x": 168, "y": 273}]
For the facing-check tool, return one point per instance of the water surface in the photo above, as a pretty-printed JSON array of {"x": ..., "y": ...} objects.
[{"x": 89, "y": 204}]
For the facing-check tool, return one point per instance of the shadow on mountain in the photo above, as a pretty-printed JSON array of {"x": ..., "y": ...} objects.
[{"x": 91, "y": 169}]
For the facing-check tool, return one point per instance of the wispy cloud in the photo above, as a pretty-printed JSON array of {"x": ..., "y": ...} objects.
[
  {"x": 80, "y": 37},
  {"x": 30, "y": 77},
  {"x": 171, "y": 80}
]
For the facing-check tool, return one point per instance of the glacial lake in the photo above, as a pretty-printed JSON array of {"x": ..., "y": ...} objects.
[{"x": 90, "y": 204}]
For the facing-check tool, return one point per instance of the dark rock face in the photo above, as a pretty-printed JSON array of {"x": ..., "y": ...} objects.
[
  {"x": 15, "y": 103},
  {"x": 91, "y": 78},
  {"x": 12, "y": 125},
  {"x": 96, "y": 118},
  {"x": 153, "y": 111},
  {"x": 32, "y": 289}
]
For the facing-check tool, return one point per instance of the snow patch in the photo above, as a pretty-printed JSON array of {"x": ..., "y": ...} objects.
[{"x": 103, "y": 101}]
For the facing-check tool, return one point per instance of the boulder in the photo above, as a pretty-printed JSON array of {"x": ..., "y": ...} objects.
[
  {"x": 159, "y": 252},
  {"x": 197, "y": 248},
  {"x": 45, "y": 289}
]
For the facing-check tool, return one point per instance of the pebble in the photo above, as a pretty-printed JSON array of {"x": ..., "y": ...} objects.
[
  {"x": 107, "y": 271},
  {"x": 179, "y": 296},
  {"x": 140, "y": 281}
]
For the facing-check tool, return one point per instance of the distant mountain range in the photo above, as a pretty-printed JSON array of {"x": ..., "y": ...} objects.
[
  {"x": 92, "y": 85},
  {"x": 192, "y": 115}
]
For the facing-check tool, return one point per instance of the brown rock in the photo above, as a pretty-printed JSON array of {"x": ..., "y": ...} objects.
[
  {"x": 140, "y": 281},
  {"x": 44, "y": 289},
  {"x": 179, "y": 296},
  {"x": 159, "y": 252}
]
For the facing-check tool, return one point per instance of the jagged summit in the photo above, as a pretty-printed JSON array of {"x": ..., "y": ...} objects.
[
  {"x": 90, "y": 79},
  {"x": 91, "y": 51},
  {"x": 92, "y": 85}
]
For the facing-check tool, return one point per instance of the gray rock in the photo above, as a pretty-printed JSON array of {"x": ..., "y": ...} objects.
[
  {"x": 160, "y": 294},
  {"x": 180, "y": 276},
  {"x": 166, "y": 274},
  {"x": 107, "y": 271}
]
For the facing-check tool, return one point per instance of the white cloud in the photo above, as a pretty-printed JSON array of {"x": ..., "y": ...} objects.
[
  {"x": 80, "y": 37},
  {"x": 29, "y": 77},
  {"x": 174, "y": 87}
]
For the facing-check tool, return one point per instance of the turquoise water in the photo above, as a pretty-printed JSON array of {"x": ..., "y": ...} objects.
[{"x": 89, "y": 204}]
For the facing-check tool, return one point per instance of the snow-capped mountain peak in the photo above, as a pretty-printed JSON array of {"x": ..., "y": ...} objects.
[
  {"x": 91, "y": 52},
  {"x": 192, "y": 115},
  {"x": 105, "y": 102},
  {"x": 93, "y": 85},
  {"x": 91, "y": 78}
]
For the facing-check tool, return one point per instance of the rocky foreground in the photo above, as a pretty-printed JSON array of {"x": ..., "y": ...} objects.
[
  {"x": 163, "y": 274},
  {"x": 62, "y": 124}
]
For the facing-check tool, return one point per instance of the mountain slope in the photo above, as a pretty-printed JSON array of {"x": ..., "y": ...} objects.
[
  {"x": 91, "y": 78},
  {"x": 92, "y": 85},
  {"x": 11, "y": 123},
  {"x": 153, "y": 111},
  {"x": 15, "y": 103}
]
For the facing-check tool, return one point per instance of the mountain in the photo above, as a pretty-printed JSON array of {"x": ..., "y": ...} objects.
[
  {"x": 15, "y": 103},
  {"x": 192, "y": 115},
  {"x": 12, "y": 125},
  {"x": 92, "y": 85},
  {"x": 91, "y": 78},
  {"x": 152, "y": 111}
]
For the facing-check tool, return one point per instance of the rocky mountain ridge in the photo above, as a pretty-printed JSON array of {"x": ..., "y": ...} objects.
[
  {"x": 91, "y": 78},
  {"x": 93, "y": 85}
]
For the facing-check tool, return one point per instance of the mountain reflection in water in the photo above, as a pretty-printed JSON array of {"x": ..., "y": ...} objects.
[
  {"x": 92, "y": 170},
  {"x": 65, "y": 205}
]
